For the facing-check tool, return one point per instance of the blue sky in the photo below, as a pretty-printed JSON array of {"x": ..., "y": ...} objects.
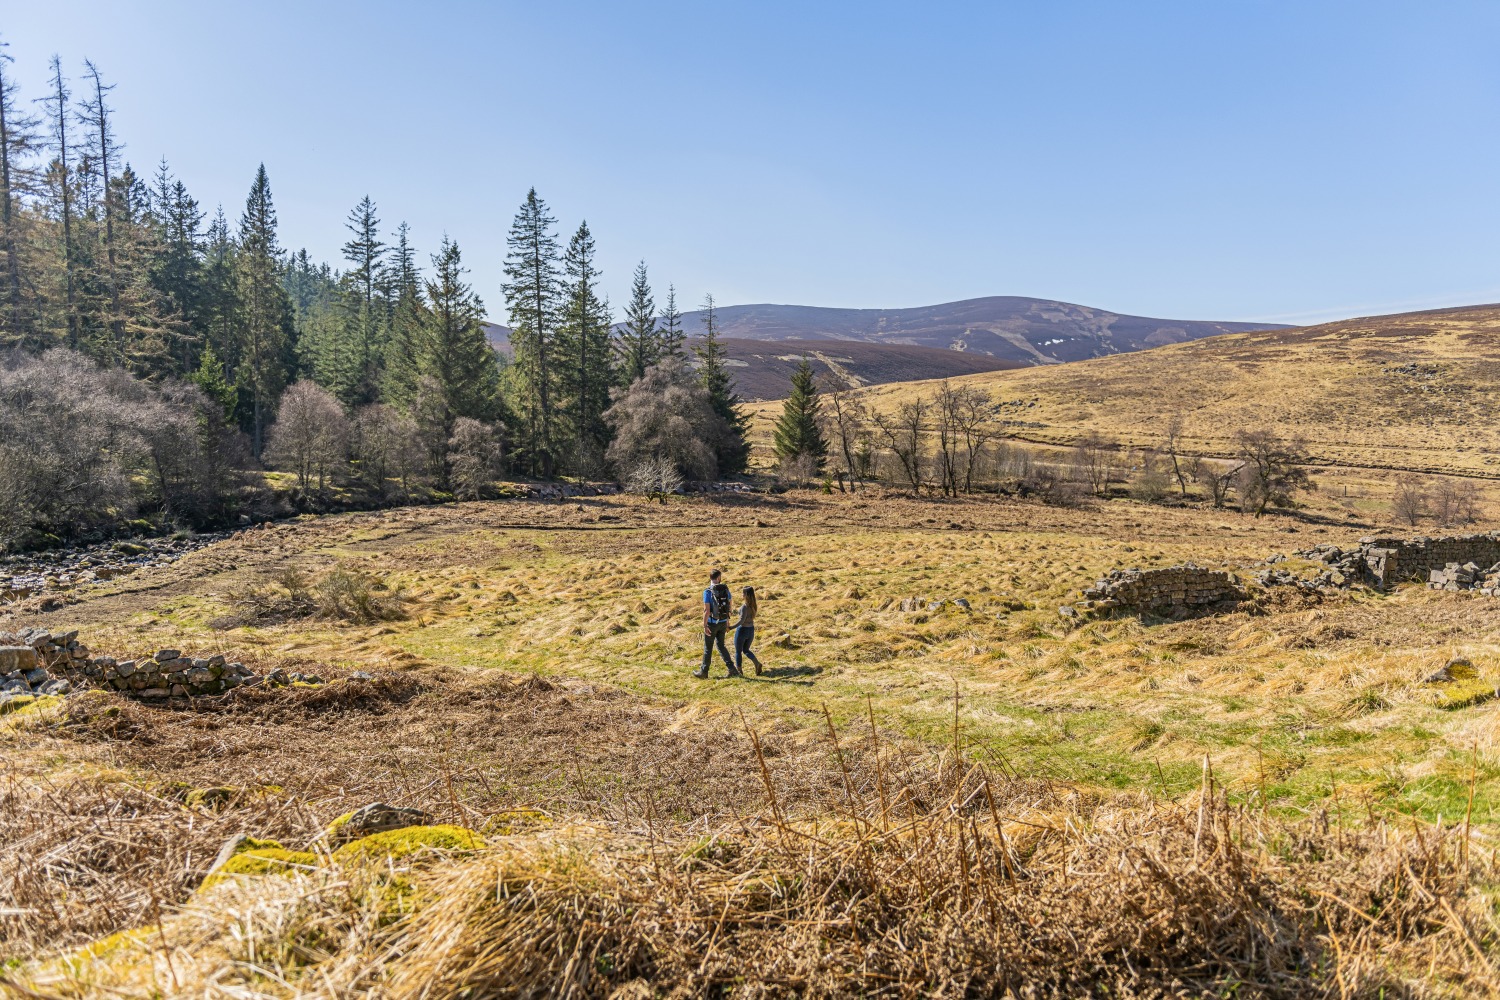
[{"x": 1199, "y": 160}]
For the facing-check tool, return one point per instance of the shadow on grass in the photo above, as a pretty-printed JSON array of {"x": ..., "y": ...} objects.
[{"x": 786, "y": 675}]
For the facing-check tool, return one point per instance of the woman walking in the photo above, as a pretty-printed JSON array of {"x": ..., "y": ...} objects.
[{"x": 744, "y": 632}]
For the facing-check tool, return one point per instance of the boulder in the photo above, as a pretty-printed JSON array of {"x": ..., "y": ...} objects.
[
  {"x": 377, "y": 817},
  {"x": 15, "y": 659}
]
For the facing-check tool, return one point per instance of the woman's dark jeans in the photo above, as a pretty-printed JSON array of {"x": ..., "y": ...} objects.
[{"x": 743, "y": 637}]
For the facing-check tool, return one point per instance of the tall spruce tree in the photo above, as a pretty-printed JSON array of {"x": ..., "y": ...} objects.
[
  {"x": 640, "y": 341},
  {"x": 532, "y": 291},
  {"x": 17, "y": 136},
  {"x": 585, "y": 355},
  {"x": 713, "y": 375},
  {"x": 673, "y": 340},
  {"x": 220, "y": 293},
  {"x": 408, "y": 316},
  {"x": 797, "y": 431},
  {"x": 104, "y": 153},
  {"x": 177, "y": 268},
  {"x": 265, "y": 321},
  {"x": 61, "y": 184},
  {"x": 365, "y": 253},
  {"x": 454, "y": 351}
]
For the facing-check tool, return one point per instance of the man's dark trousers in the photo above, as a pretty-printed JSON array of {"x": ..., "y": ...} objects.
[{"x": 715, "y": 636}]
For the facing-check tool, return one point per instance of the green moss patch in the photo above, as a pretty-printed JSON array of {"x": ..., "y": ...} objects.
[
  {"x": 262, "y": 861},
  {"x": 408, "y": 841}
]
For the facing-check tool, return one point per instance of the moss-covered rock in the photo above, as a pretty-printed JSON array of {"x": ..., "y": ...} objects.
[
  {"x": 262, "y": 860},
  {"x": 29, "y": 703},
  {"x": 397, "y": 844}
]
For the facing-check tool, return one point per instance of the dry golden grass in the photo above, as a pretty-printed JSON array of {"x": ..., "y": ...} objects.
[
  {"x": 1346, "y": 846},
  {"x": 1412, "y": 391}
]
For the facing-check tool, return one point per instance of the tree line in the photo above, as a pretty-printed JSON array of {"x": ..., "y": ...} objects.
[{"x": 131, "y": 273}]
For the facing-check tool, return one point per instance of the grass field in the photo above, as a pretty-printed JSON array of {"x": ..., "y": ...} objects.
[{"x": 1308, "y": 718}]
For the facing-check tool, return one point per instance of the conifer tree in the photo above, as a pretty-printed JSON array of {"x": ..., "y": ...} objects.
[
  {"x": 585, "y": 354},
  {"x": 104, "y": 151},
  {"x": 454, "y": 352},
  {"x": 713, "y": 375},
  {"x": 797, "y": 432},
  {"x": 17, "y": 134},
  {"x": 640, "y": 341},
  {"x": 220, "y": 293},
  {"x": 364, "y": 251},
  {"x": 264, "y": 324},
  {"x": 61, "y": 182},
  {"x": 672, "y": 343},
  {"x": 532, "y": 290},
  {"x": 176, "y": 270},
  {"x": 408, "y": 316},
  {"x": 210, "y": 377}
]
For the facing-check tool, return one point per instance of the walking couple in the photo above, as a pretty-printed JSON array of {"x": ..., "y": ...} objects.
[{"x": 716, "y": 623}]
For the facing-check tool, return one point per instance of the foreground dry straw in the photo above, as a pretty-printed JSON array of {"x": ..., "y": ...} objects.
[{"x": 935, "y": 879}]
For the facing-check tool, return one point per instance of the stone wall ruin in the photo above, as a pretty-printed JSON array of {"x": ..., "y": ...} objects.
[{"x": 1187, "y": 587}]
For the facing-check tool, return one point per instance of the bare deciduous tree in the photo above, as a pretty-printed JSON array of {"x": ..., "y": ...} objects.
[
  {"x": 666, "y": 415},
  {"x": 902, "y": 433},
  {"x": 1094, "y": 459},
  {"x": 1409, "y": 501},
  {"x": 1271, "y": 471},
  {"x": 311, "y": 433},
  {"x": 1152, "y": 479},
  {"x": 387, "y": 447},
  {"x": 1171, "y": 447},
  {"x": 1454, "y": 501},
  {"x": 655, "y": 478},
  {"x": 847, "y": 428},
  {"x": 473, "y": 457},
  {"x": 1217, "y": 478}
]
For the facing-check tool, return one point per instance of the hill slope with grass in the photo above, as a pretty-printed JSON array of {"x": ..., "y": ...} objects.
[{"x": 1414, "y": 391}]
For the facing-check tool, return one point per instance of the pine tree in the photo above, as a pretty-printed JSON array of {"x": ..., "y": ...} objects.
[
  {"x": 585, "y": 355},
  {"x": 364, "y": 252},
  {"x": 104, "y": 151},
  {"x": 797, "y": 432},
  {"x": 532, "y": 291},
  {"x": 453, "y": 350},
  {"x": 408, "y": 319},
  {"x": 220, "y": 293},
  {"x": 640, "y": 340},
  {"x": 176, "y": 270},
  {"x": 673, "y": 341},
  {"x": 713, "y": 375},
  {"x": 17, "y": 134},
  {"x": 265, "y": 324},
  {"x": 210, "y": 377},
  {"x": 61, "y": 183}
]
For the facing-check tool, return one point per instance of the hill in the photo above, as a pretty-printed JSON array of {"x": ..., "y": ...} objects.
[
  {"x": 764, "y": 371},
  {"x": 1413, "y": 390},
  {"x": 1025, "y": 330}
]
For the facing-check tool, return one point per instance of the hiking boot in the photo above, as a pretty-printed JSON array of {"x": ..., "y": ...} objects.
[
  {"x": 737, "y": 673},
  {"x": 702, "y": 675},
  {"x": 757, "y": 670}
]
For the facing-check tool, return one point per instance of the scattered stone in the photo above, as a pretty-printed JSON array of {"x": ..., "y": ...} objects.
[
  {"x": 360, "y": 675},
  {"x": 377, "y": 817},
  {"x": 1457, "y": 669}
]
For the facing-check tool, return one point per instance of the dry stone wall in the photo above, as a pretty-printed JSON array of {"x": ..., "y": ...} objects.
[
  {"x": 1389, "y": 561},
  {"x": 36, "y": 662},
  {"x": 1185, "y": 587}
]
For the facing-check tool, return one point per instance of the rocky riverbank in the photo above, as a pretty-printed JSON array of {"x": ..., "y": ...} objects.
[{"x": 31, "y": 574}]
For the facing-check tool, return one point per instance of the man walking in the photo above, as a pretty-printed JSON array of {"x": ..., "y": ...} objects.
[{"x": 716, "y": 625}]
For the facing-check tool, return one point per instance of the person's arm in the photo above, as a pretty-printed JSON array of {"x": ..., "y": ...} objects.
[{"x": 706, "y": 608}]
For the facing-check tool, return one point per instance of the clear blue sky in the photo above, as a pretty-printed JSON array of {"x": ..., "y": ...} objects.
[{"x": 1210, "y": 159}]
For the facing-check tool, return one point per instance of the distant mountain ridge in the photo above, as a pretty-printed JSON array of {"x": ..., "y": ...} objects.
[
  {"x": 1014, "y": 328},
  {"x": 877, "y": 346}
]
